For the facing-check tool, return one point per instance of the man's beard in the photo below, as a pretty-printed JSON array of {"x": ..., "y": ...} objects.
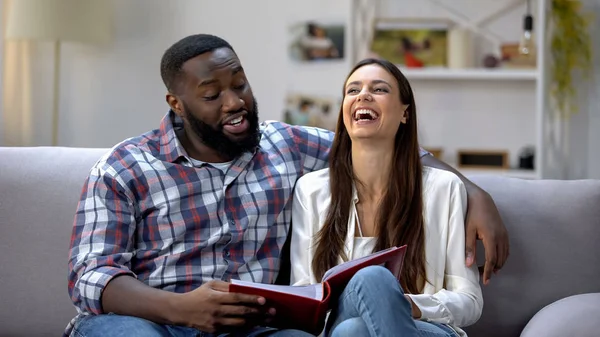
[{"x": 215, "y": 138}]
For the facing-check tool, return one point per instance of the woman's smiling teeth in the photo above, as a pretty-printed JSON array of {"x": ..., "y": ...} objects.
[{"x": 365, "y": 114}]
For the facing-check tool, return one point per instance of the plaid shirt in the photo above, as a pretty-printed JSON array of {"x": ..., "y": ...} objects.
[{"x": 146, "y": 211}]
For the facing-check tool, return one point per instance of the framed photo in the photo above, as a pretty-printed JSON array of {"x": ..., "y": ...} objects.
[
  {"x": 492, "y": 159},
  {"x": 435, "y": 151},
  {"x": 317, "y": 41},
  {"x": 309, "y": 110},
  {"x": 411, "y": 43}
]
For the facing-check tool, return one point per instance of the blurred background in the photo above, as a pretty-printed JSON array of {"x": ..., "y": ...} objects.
[{"x": 505, "y": 86}]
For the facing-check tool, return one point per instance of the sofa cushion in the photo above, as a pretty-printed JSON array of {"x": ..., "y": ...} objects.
[
  {"x": 554, "y": 229},
  {"x": 572, "y": 316},
  {"x": 39, "y": 190}
]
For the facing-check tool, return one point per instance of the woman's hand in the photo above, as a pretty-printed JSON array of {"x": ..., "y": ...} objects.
[
  {"x": 484, "y": 223},
  {"x": 416, "y": 312}
]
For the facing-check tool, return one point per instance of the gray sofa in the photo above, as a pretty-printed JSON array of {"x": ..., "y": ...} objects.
[{"x": 549, "y": 287}]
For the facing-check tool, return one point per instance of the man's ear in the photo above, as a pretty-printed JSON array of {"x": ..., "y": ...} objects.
[
  {"x": 404, "y": 113},
  {"x": 175, "y": 104}
]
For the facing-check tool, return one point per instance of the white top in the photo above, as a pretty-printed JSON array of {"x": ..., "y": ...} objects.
[
  {"x": 453, "y": 295},
  {"x": 363, "y": 247}
]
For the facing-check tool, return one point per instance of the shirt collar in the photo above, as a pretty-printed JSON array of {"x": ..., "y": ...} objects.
[{"x": 170, "y": 146}]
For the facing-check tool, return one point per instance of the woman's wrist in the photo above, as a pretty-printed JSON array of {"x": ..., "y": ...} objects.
[{"x": 416, "y": 312}]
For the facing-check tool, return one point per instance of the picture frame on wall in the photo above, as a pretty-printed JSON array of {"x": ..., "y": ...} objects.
[
  {"x": 317, "y": 40},
  {"x": 411, "y": 43},
  {"x": 311, "y": 110},
  {"x": 437, "y": 152}
]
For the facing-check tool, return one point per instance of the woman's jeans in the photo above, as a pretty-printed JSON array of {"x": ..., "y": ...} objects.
[{"x": 373, "y": 304}]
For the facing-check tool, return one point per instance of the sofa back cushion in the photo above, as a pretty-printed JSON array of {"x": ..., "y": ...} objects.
[
  {"x": 39, "y": 191},
  {"x": 554, "y": 229}
]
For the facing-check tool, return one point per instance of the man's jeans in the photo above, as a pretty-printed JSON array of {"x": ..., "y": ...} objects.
[
  {"x": 127, "y": 326},
  {"x": 373, "y": 304}
]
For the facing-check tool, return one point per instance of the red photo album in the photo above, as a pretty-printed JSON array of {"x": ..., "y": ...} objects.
[{"x": 305, "y": 307}]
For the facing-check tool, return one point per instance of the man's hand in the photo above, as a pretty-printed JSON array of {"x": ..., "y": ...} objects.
[
  {"x": 212, "y": 308},
  {"x": 483, "y": 222}
]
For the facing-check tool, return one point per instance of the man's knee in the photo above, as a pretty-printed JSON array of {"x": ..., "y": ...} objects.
[{"x": 117, "y": 325}]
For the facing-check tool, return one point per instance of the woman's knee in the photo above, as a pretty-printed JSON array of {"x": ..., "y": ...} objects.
[
  {"x": 351, "y": 327},
  {"x": 375, "y": 276}
]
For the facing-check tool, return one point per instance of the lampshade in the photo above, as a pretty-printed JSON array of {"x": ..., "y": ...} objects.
[{"x": 86, "y": 21}]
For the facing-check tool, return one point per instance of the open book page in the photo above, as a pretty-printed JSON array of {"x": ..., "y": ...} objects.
[
  {"x": 350, "y": 264},
  {"x": 314, "y": 291}
]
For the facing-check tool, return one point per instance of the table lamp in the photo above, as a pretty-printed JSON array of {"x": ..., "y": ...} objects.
[{"x": 83, "y": 21}]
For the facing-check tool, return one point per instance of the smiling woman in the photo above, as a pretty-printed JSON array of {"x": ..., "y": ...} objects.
[
  {"x": 380, "y": 196},
  {"x": 367, "y": 96}
]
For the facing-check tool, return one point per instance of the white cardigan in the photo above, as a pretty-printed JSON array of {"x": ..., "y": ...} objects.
[{"x": 453, "y": 294}]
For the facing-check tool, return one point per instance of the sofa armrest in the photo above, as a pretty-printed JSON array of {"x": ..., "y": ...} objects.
[{"x": 576, "y": 315}]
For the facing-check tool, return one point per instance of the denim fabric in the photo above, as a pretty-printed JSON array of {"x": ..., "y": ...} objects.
[
  {"x": 373, "y": 304},
  {"x": 127, "y": 326}
]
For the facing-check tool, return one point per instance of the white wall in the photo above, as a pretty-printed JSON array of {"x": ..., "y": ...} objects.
[
  {"x": 118, "y": 89},
  {"x": 113, "y": 92},
  {"x": 109, "y": 93}
]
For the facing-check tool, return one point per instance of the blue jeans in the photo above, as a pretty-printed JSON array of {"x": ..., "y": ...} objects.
[
  {"x": 128, "y": 326},
  {"x": 373, "y": 304}
]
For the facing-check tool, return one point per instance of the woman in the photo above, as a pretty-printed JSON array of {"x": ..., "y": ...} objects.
[{"x": 376, "y": 195}]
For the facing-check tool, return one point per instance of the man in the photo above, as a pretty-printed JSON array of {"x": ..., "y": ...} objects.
[{"x": 167, "y": 218}]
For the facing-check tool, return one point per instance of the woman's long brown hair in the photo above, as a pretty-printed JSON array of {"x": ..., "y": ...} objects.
[{"x": 399, "y": 218}]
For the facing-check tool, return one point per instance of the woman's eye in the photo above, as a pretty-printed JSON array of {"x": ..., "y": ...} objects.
[
  {"x": 352, "y": 91},
  {"x": 380, "y": 90},
  {"x": 212, "y": 98},
  {"x": 240, "y": 86}
]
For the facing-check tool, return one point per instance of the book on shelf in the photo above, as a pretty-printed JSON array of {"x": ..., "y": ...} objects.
[{"x": 306, "y": 307}]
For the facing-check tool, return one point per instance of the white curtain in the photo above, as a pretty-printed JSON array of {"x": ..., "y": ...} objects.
[
  {"x": 27, "y": 89},
  {"x": 363, "y": 21},
  {"x": 571, "y": 143},
  {"x": 17, "y": 95}
]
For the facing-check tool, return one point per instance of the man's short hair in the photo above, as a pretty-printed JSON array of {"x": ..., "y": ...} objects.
[{"x": 183, "y": 50}]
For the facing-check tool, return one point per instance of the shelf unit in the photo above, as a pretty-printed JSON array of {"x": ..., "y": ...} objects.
[
  {"x": 469, "y": 74},
  {"x": 504, "y": 86},
  {"x": 513, "y": 173}
]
